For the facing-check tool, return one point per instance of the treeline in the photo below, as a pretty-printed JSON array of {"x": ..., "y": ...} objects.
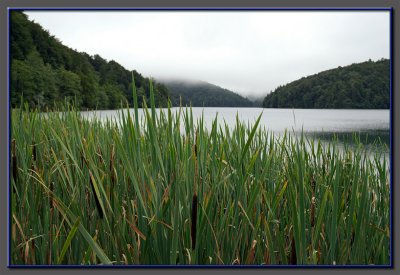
[
  {"x": 200, "y": 93},
  {"x": 46, "y": 73},
  {"x": 358, "y": 86}
]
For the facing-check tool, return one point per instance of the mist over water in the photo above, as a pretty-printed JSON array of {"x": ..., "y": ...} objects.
[
  {"x": 279, "y": 120},
  {"x": 369, "y": 126}
]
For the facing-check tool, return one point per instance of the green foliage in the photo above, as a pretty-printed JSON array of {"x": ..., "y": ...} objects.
[
  {"x": 69, "y": 84},
  {"x": 86, "y": 191},
  {"x": 20, "y": 37},
  {"x": 34, "y": 79},
  {"x": 358, "y": 86},
  {"x": 203, "y": 94},
  {"x": 48, "y": 73}
]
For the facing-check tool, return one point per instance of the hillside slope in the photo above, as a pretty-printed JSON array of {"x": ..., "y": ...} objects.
[
  {"x": 358, "y": 86},
  {"x": 46, "y": 72},
  {"x": 203, "y": 94}
]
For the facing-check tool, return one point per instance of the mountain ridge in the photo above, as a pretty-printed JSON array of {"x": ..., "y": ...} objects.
[
  {"x": 364, "y": 85},
  {"x": 199, "y": 93}
]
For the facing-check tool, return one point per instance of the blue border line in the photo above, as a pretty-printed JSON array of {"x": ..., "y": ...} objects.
[
  {"x": 391, "y": 136},
  {"x": 201, "y": 9},
  {"x": 8, "y": 141},
  {"x": 390, "y": 9},
  {"x": 303, "y": 267},
  {"x": 201, "y": 266}
]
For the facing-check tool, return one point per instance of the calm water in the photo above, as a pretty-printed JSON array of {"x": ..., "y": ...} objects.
[{"x": 369, "y": 125}]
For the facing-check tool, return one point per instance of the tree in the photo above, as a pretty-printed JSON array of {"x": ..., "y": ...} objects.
[
  {"x": 69, "y": 86},
  {"x": 363, "y": 85},
  {"x": 46, "y": 72},
  {"x": 20, "y": 37}
]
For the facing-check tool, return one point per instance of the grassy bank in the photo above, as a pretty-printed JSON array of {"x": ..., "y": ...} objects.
[{"x": 141, "y": 192}]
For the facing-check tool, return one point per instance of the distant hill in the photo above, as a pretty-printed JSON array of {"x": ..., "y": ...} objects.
[
  {"x": 257, "y": 100},
  {"x": 46, "y": 73},
  {"x": 200, "y": 93},
  {"x": 358, "y": 86}
]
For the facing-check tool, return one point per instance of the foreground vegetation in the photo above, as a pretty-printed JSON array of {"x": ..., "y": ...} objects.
[{"x": 165, "y": 190}]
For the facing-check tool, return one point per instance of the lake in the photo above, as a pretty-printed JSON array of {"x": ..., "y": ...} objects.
[{"x": 370, "y": 125}]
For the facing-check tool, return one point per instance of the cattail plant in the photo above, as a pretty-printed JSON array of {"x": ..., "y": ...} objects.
[
  {"x": 51, "y": 218},
  {"x": 112, "y": 170},
  {"x": 312, "y": 205},
  {"x": 112, "y": 174},
  {"x": 194, "y": 220},
  {"x": 99, "y": 154},
  {"x": 194, "y": 199},
  {"x": 96, "y": 199},
  {"x": 250, "y": 257},
  {"x": 293, "y": 256},
  {"x": 14, "y": 161}
]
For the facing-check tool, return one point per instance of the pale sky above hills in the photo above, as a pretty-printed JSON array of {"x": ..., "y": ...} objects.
[{"x": 249, "y": 52}]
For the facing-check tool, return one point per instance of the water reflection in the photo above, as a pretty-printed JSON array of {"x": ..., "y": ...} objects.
[{"x": 372, "y": 138}]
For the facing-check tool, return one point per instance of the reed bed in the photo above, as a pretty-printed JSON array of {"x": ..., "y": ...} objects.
[{"x": 140, "y": 191}]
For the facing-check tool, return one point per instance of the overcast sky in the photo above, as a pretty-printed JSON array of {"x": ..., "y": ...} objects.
[{"x": 250, "y": 53}]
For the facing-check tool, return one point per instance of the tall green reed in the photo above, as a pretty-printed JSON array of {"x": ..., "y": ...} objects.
[{"x": 139, "y": 190}]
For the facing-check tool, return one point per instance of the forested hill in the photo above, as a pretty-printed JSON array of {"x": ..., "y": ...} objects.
[
  {"x": 358, "y": 86},
  {"x": 203, "y": 94},
  {"x": 46, "y": 72}
]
